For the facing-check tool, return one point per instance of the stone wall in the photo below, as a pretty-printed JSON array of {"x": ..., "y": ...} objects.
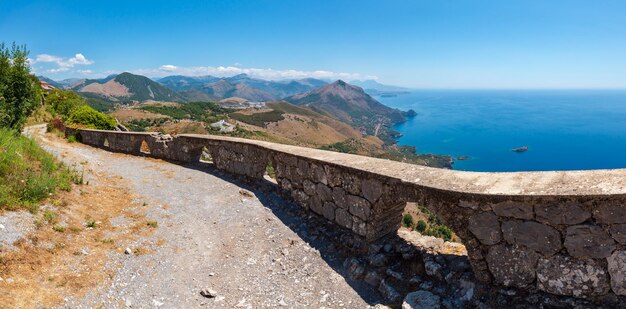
[{"x": 561, "y": 232}]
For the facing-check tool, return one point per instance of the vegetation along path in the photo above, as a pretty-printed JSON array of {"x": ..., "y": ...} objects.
[{"x": 205, "y": 234}]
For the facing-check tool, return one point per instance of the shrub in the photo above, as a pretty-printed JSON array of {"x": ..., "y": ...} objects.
[
  {"x": 63, "y": 102},
  {"x": 59, "y": 228},
  {"x": 259, "y": 119},
  {"x": 421, "y": 226},
  {"x": 153, "y": 223},
  {"x": 28, "y": 174},
  {"x": 407, "y": 220},
  {"x": 90, "y": 118},
  {"x": 50, "y": 216}
]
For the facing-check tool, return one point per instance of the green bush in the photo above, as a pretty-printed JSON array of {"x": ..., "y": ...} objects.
[
  {"x": 421, "y": 226},
  {"x": 28, "y": 174},
  {"x": 259, "y": 119},
  {"x": 407, "y": 221},
  {"x": 88, "y": 117},
  {"x": 63, "y": 102}
]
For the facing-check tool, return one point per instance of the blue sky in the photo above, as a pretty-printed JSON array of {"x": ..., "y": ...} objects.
[{"x": 419, "y": 44}]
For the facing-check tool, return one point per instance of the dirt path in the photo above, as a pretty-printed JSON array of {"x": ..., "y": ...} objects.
[{"x": 210, "y": 234}]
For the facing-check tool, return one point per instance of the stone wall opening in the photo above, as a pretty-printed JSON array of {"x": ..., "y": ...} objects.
[
  {"x": 106, "y": 143},
  {"x": 144, "y": 148},
  {"x": 205, "y": 156}
]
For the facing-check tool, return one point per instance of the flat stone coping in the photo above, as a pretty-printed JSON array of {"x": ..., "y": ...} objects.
[{"x": 566, "y": 183}]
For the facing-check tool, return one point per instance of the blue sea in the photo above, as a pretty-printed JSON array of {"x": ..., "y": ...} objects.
[{"x": 563, "y": 130}]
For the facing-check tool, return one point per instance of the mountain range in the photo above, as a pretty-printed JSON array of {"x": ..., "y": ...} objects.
[{"x": 127, "y": 87}]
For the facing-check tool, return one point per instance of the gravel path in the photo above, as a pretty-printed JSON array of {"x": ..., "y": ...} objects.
[{"x": 212, "y": 234}]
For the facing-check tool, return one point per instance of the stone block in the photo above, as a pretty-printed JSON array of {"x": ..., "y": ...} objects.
[
  {"x": 372, "y": 189},
  {"x": 324, "y": 192},
  {"x": 343, "y": 218},
  {"x": 421, "y": 300},
  {"x": 610, "y": 213},
  {"x": 300, "y": 197},
  {"x": 329, "y": 211},
  {"x": 512, "y": 265},
  {"x": 352, "y": 184},
  {"x": 485, "y": 227},
  {"x": 358, "y": 226},
  {"x": 318, "y": 174},
  {"x": 316, "y": 205},
  {"x": 309, "y": 187},
  {"x": 588, "y": 241},
  {"x": 563, "y": 275},
  {"x": 359, "y": 207},
  {"x": 533, "y": 235},
  {"x": 513, "y": 209},
  {"x": 617, "y": 271},
  {"x": 340, "y": 198},
  {"x": 561, "y": 213},
  {"x": 618, "y": 231}
]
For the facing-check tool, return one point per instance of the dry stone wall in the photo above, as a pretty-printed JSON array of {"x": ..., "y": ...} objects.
[{"x": 559, "y": 236}]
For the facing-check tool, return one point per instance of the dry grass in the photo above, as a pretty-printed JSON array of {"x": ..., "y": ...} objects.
[
  {"x": 126, "y": 115},
  {"x": 49, "y": 265}
]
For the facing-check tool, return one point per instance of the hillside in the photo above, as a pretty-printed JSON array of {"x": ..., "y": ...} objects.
[
  {"x": 350, "y": 104},
  {"x": 127, "y": 87},
  {"x": 242, "y": 85}
]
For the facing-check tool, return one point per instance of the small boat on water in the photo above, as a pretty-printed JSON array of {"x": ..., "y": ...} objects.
[{"x": 520, "y": 149}]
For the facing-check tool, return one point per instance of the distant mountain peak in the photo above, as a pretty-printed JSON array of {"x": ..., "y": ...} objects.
[{"x": 349, "y": 103}]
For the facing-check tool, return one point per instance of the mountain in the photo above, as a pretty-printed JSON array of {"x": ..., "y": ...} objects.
[
  {"x": 374, "y": 85},
  {"x": 350, "y": 104},
  {"x": 50, "y": 81},
  {"x": 126, "y": 87},
  {"x": 184, "y": 83},
  {"x": 241, "y": 85}
]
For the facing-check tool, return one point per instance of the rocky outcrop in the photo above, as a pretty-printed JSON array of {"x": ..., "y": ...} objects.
[{"x": 562, "y": 233}]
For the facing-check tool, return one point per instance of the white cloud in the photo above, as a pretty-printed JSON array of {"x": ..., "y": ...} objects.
[
  {"x": 227, "y": 71},
  {"x": 57, "y": 70},
  {"x": 78, "y": 59},
  {"x": 168, "y": 68}
]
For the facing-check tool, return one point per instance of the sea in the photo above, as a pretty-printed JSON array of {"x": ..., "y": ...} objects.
[{"x": 563, "y": 129}]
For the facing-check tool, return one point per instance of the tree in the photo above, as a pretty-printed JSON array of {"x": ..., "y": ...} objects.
[{"x": 19, "y": 90}]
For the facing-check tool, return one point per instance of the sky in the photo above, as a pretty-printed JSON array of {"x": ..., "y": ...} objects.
[{"x": 478, "y": 44}]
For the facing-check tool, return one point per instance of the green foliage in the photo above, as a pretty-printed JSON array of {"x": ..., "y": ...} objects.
[
  {"x": 19, "y": 91},
  {"x": 140, "y": 125},
  {"x": 433, "y": 226},
  {"x": 50, "y": 216},
  {"x": 270, "y": 171},
  {"x": 59, "y": 228},
  {"x": 71, "y": 139},
  {"x": 88, "y": 117},
  {"x": 439, "y": 231},
  {"x": 347, "y": 146},
  {"x": 259, "y": 119},
  {"x": 192, "y": 110},
  {"x": 28, "y": 174},
  {"x": 420, "y": 226},
  {"x": 407, "y": 220},
  {"x": 63, "y": 102},
  {"x": 91, "y": 224},
  {"x": 153, "y": 224}
]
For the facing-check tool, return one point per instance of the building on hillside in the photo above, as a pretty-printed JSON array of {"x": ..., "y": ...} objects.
[
  {"x": 239, "y": 103},
  {"x": 45, "y": 86},
  {"x": 223, "y": 126}
]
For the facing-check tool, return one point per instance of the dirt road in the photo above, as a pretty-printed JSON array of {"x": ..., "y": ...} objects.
[{"x": 210, "y": 234}]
